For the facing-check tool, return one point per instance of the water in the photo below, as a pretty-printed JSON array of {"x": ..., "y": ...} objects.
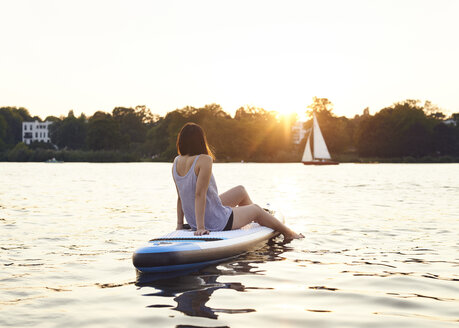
[{"x": 381, "y": 248}]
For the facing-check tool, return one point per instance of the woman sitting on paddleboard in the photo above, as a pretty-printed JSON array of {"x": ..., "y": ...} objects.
[{"x": 198, "y": 198}]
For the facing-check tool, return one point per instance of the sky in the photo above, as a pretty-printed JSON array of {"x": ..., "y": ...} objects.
[{"x": 86, "y": 56}]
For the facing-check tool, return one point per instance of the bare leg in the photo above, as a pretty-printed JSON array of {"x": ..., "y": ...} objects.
[
  {"x": 243, "y": 215},
  {"x": 236, "y": 196}
]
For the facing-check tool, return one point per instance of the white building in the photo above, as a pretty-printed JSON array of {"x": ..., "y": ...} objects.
[
  {"x": 35, "y": 131},
  {"x": 298, "y": 132},
  {"x": 450, "y": 122}
]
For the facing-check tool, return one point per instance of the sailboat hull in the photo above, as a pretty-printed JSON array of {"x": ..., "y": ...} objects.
[{"x": 320, "y": 163}]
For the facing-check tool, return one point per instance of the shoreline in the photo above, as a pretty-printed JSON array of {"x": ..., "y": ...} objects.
[
  {"x": 22, "y": 153},
  {"x": 127, "y": 158}
]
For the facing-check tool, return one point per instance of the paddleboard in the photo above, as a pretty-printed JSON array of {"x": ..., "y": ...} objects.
[{"x": 182, "y": 250}]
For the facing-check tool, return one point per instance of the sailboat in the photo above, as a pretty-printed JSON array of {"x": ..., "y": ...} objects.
[{"x": 319, "y": 155}]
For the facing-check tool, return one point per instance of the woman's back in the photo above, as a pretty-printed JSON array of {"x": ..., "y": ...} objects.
[
  {"x": 185, "y": 171},
  {"x": 184, "y": 163}
]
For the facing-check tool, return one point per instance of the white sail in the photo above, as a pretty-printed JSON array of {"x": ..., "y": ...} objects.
[
  {"x": 320, "y": 148},
  {"x": 307, "y": 155}
]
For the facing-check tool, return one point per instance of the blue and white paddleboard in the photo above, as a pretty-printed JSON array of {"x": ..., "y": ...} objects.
[{"x": 182, "y": 250}]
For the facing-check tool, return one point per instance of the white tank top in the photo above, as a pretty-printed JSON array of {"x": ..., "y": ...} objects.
[{"x": 216, "y": 215}]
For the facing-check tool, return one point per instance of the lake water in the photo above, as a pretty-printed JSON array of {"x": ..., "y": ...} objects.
[{"x": 381, "y": 248}]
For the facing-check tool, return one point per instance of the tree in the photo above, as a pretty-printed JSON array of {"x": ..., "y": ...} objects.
[
  {"x": 400, "y": 130},
  {"x": 432, "y": 110},
  {"x": 254, "y": 133},
  {"x": 445, "y": 140},
  {"x": 52, "y": 119},
  {"x": 13, "y": 117},
  {"x": 69, "y": 132},
  {"x": 147, "y": 117},
  {"x": 320, "y": 106},
  {"x": 103, "y": 132},
  {"x": 337, "y": 131},
  {"x": 20, "y": 153},
  {"x": 131, "y": 124},
  {"x": 23, "y": 113},
  {"x": 3, "y": 128}
]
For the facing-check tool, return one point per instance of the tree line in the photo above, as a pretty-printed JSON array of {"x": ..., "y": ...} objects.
[{"x": 406, "y": 131}]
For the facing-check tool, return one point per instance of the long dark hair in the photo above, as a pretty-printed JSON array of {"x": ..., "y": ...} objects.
[{"x": 191, "y": 140}]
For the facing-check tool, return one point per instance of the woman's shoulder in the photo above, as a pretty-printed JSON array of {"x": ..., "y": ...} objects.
[
  {"x": 201, "y": 160},
  {"x": 204, "y": 159},
  {"x": 204, "y": 162}
]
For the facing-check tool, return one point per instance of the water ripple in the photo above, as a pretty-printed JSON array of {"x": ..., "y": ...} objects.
[{"x": 380, "y": 249}]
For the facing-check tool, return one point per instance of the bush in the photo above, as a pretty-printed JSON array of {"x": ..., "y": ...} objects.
[
  {"x": 41, "y": 145},
  {"x": 428, "y": 159},
  {"x": 409, "y": 159},
  {"x": 447, "y": 159},
  {"x": 103, "y": 156},
  {"x": 42, "y": 155},
  {"x": 20, "y": 153}
]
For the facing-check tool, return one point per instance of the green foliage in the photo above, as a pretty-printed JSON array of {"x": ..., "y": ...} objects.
[
  {"x": 103, "y": 156},
  {"x": 320, "y": 106},
  {"x": 20, "y": 153},
  {"x": 40, "y": 145},
  {"x": 259, "y": 135},
  {"x": 103, "y": 132},
  {"x": 253, "y": 135},
  {"x": 42, "y": 155},
  {"x": 337, "y": 131},
  {"x": 446, "y": 139},
  {"x": 400, "y": 130},
  {"x": 3, "y": 127},
  {"x": 125, "y": 129},
  {"x": 13, "y": 118},
  {"x": 3, "y": 130},
  {"x": 69, "y": 132},
  {"x": 404, "y": 132},
  {"x": 131, "y": 125}
]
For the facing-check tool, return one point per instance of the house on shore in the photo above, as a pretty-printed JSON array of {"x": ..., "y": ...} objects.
[
  {"x": 298, "y": 132},
  {"x": 450, "y": 122},
  {"x": 35, "y": 131}
]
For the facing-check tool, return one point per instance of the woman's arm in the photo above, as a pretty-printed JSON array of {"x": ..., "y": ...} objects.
[
  {"x": 179, "y": 206},
  {"x": 203, "y": 172},
  {"x": 179, "y": 214}
]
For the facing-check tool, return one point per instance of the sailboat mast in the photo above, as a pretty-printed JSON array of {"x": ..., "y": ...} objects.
[{"x": 313, "y": 134}]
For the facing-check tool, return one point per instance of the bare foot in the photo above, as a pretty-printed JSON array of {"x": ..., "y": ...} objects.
[{"x": 292, "y": 236}]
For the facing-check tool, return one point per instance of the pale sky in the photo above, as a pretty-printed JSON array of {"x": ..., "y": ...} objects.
[{"x": 99, "y": 54}]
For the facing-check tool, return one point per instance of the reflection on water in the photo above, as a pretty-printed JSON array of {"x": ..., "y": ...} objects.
[{"x": 192, "y": 290}]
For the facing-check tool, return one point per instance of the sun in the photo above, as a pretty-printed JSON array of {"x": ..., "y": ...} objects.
[{"x": 292, "y": 114}]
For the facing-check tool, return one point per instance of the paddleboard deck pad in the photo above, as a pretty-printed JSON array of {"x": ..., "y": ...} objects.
[{"x": 182, "y": 250}]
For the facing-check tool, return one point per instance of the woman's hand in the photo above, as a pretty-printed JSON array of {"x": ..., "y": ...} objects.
[{"x": 200, "y": 232}]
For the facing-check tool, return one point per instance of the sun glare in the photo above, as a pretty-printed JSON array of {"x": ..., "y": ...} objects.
[{"x": 297, "y": 113}]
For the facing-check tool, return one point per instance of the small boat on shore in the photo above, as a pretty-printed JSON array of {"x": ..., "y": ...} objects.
[
  {"x": 316, "y": 154},
  {"x": 53, "y": 160}
]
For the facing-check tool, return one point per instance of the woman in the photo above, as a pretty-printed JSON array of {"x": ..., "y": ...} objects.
[{"x": 198, "y": 198}]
